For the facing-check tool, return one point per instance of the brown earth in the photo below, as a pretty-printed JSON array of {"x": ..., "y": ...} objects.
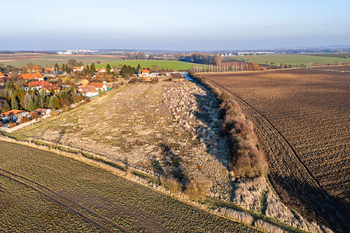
[{"x": 302, "y": 119}]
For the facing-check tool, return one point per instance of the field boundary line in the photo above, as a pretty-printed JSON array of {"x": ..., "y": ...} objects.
[{"x": 294, "y": 152}]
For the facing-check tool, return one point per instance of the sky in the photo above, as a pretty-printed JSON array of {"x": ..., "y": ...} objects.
[{"x": 172, "y": 25}]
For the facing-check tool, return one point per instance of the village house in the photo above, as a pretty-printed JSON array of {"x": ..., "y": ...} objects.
[
  {"x": 43, "y": 111},
  {"x": 13, "y": 115},
  {"x": 78, "y": 68},
  {"x": 1, "y": 75},
  {"x": 104, "y": 70},
  {"x": 36, "y": 76},
  {"x": 92, "y": 89},
  {"x": 48, "y": 70},
  {"x": 34, "y": 69},
  {"x": 145, "y": 72},
  {"x": 50, "y": 87},
  {"x": 37, "y": 85}
]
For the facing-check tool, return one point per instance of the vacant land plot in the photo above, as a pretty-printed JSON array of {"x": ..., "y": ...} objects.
[
  {"x": 302, "y": 118},
  {"x": 165, "y": 64},
  {"x": 50, "y": 60},
  {"x": 42, "y": 191},
  {"x": 295, "y": 60}
]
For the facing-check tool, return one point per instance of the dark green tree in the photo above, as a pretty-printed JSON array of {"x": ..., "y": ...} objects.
[
  {"x": 139, "y": 69},
  {"x": 92, "y": 69},
  {"x": 14, "y": 103},
  {"x": 108, "y": 69}
]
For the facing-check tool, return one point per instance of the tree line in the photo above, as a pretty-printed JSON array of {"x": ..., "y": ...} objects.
[{"x": 16, "y": 98}]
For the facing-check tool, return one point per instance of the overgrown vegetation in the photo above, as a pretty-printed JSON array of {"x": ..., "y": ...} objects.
[{"x": 246, "y": 160}]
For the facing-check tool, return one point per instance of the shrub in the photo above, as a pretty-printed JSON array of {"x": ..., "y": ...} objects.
[
  {"x": 246, "y": 160},
  {"x": 24, "y": 120},
  {"x": 35, "y": 115},
  {"x": 12, "y": 124}
]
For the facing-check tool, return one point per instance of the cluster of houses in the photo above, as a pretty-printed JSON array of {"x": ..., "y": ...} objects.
[{"x": 15, "y": 116}]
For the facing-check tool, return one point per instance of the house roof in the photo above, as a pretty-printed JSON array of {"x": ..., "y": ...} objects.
[
  {"x": 12, "y": 112},
  {"x": 145, "y": 70},
  {"x": 88, "y": 88},
  {"x": 51, "y": 86},
  {"x": 98, "y": 85},
  {"x": 38, "y": 83},
  {"x": 35, "y": 67},
  {"x": 1, "y": 75},
  {"x": 49, "y": 69},
  {"x": 31, "y": 76},
  {"x": 41, "y": 110}
]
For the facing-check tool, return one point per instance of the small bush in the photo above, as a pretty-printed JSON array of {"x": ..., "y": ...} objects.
[{"x": 24, "y": 120}]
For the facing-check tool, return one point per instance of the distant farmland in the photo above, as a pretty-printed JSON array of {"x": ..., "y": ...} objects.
[
  {"x": 45, "y": 192},
  {"x": 340, "y": 55},
  {"x": 302, "y": 118},
  {"x": 295, "y": 60},
  {"x": 50, "y": 60},
  {"x": 166, "y": 64}
]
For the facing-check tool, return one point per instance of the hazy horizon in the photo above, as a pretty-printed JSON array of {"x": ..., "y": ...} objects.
[{"x": 180, "y": 25}]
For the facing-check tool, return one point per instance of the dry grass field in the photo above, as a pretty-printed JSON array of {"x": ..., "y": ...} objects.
[
  {"x": 44, "y": 192},
  {"x": 302, "y": 118}
]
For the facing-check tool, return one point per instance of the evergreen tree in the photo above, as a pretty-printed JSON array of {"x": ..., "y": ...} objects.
[
  {"x": 108, "y": 69},
  {"x": 37, "y": 102},
  {"x": 7, "y": 107},
  {"x": 14, "y": 103},
  {"x": 31, "y": 106},
  {"x": 51, "y": 102},
  {"x": 92, "y": 69},
  {"x": 27, "y": 99},
  {"x": 139, "y": 69},
  {"x": 56, "y": 68}
]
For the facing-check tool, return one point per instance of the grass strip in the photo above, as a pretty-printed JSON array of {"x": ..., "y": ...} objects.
[
  {"x": 146, "y": 176},
  {"x": 86, "y": 155},
  {"x": 219, "y": 203}
]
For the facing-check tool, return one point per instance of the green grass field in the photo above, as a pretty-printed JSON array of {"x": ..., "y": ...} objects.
[
  {"x": 44, "y": 192},
  {"x": 175, "y": 65},
  {"x": 295, "y": 60},
  {"x": 50, "y": 60},
  {"x": 339, "y": 55}
]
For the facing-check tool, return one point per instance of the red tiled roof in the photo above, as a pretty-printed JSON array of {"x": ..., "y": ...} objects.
[
  {"x": 88, "y": 88},
  {"x": 49, "y": 69},
  {"x": 51, "y": 86},
  {"x": 1, "y": 75},
  {"x": 97, "y": 85},
  {"x": 12, "y": 112},
  {"x": 38, "y": 83},
  {"x": 31, "y": 76},
  {"x": 35, "y": 67}
]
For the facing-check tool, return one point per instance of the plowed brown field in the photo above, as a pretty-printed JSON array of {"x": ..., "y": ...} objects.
[{"x": 302, "y": 118}]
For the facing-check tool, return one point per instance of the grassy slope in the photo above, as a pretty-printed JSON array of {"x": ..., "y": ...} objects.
[
  {"x": 291, "y": 59},
  {"x": 50, "y": 60},
  {"x": 125, "y": 203},
  {"x": 175, "y": 65}
]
